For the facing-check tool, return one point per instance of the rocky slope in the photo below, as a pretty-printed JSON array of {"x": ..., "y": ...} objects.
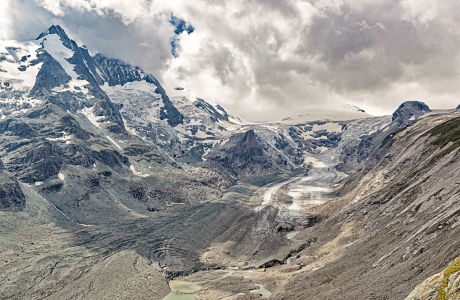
[{"x": 395, "y": 228}]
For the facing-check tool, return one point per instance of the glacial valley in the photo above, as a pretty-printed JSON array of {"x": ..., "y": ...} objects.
[{"x": 114, "y": 187}]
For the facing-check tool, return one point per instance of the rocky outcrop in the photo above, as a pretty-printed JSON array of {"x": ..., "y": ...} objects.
[
  {"x": 115, "y": 72},
  {"x": 56, "y": 29},
  {"x": 359, "y": 151},
  {"x": 51, "y": 75},
  {"x": 243, "y": 156},
  {"x": 216, "y": 115},
  {"x": 442, "y": 286},
  {"x": 408, "y": 112}
]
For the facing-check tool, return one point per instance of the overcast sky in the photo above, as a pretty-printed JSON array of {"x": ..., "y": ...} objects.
[{"x": 266, "y": 59}]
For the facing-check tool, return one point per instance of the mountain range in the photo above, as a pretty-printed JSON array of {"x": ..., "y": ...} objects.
[{"x": 111, "y": 186}]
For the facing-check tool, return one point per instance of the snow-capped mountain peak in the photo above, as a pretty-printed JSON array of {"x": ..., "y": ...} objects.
[{"x": 57, "y": 30}]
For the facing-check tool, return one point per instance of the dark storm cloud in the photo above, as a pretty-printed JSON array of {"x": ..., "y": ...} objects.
[{"x": 368, "y": 49}]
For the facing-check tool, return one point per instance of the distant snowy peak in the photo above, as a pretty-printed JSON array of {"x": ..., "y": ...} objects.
[
  {"x": 103, "y": 69},
  {"x": 97, "y": 69},
  {"x": 91, "y": 74},
  {"x": 340, "y": 113},
  {"x": 69, "y": 69},
  {"x": 183, "y": 97},
  {"x": 215, "y": 111},
  {"x": 202, "y": 119}
]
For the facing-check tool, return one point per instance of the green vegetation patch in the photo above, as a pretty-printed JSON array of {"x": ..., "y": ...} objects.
[
  {"x": 137, "y": 149},
  {"x": 443, "y": 291},
  {"x": 397, "y": 135},
  {"x": 447, "y": 132}
]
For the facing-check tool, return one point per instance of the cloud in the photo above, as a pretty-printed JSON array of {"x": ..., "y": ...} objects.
[
  {"x": 278, "y": 57},
  {"x": 264, "y": 59}
]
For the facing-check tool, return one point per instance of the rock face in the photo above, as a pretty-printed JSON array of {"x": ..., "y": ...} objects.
[
  {"x": 409, "y": 111},
  {"x": 51, "y": 75},
  {"x": 11, "y": 195},
  {"x": 115, "y": 72},
  {"x": 217, "y": 113},
  {"x": 243, "y": 155},
  {"x": 56, "y": 29},
  {"x": 357, "y": 152}
]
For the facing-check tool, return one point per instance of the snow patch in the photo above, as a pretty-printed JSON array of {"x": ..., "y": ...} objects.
[
  {"x": 61, "y": 53},
  {"x": 11, "y": 54},
  {"x": 131, "y": 87},
  {"x": 138, "y": 173},
  {"x": 64, "y": 138},
  {"x": 113, "y": 142},
  {"x": 308, "y": 160},
  {"x": 344, "y": 113},
  {"x": 88, "y": 112}
]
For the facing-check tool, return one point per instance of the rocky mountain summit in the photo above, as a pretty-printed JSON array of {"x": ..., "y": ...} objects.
[
  {"x": 244, "y": 155},
  {"x": 409, "y": 112},
  {"x": 111, "y": 185}
]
